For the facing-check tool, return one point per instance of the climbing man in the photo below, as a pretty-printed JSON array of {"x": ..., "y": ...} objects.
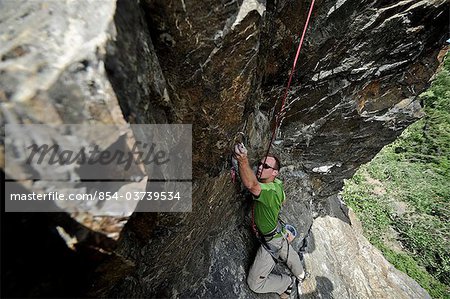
[{"x": 268, "y": 195}]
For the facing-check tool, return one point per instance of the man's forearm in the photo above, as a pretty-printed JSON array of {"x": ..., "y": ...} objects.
[{"x": 247, "y": 175}]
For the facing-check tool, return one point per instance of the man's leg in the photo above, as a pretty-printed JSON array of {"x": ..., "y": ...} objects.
[
  {"x": 260, "y": 280},
  {"x": 293, "y": 260}
]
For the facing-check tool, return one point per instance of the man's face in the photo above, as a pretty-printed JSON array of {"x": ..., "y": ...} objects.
[{"x": 267, "y": 169}]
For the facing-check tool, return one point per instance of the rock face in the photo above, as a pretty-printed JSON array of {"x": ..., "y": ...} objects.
[
  {"x": 335, "y": 265},
  {"x": 222, "y": 66}
]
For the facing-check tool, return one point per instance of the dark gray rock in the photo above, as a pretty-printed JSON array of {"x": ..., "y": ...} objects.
[
  {"x": 222, "y": 66},
  {"x": 355, "y": 90}
]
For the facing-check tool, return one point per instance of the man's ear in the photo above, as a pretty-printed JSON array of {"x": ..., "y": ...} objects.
[{"x": 275, "y": 172}]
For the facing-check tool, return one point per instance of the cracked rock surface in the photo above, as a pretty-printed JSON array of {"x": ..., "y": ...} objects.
[{"x": 223, "y": 66}]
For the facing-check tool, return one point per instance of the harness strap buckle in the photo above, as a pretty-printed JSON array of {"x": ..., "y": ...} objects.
[{"x": 277, "y": 230}]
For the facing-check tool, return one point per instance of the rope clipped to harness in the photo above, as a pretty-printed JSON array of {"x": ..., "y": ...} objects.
[{"x": 281, "y": 228}]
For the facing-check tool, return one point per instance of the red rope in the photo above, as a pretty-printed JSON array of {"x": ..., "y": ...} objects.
[{"x": 283, "y": 102}]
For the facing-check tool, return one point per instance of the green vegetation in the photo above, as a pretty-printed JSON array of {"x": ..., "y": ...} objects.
[{"x": 402, "y": 196}]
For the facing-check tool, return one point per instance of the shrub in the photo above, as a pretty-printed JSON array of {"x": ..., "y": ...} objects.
[{"x": 414, "y": 171}]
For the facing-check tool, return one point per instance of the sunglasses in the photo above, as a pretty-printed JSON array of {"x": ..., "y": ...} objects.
[{"x": 265, "y": 165}]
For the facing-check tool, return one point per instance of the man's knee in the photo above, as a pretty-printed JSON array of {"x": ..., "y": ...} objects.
[{"x": 254, "y": 283}]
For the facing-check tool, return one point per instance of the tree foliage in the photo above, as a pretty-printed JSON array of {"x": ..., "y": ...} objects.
[{"x": 402, "y": 196}]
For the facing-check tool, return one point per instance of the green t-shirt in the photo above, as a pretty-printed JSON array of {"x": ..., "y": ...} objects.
[{"x": 268, "y": 205}]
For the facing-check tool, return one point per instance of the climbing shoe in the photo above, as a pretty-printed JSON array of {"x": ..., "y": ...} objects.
[
  {"x": 303, "y": 276},
  {"x": 288, "y": 292}
]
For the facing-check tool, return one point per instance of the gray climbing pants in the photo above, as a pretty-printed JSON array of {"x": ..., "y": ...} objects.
[{"x": 261, "y": 280}]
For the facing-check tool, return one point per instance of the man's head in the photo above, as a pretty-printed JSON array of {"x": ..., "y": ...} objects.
[{"x": 268, "y": 168}]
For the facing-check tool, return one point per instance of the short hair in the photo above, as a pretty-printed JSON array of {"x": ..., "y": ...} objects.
[{"x": 277, "y": 161}]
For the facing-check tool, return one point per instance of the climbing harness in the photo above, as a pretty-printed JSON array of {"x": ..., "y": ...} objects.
[
  {"x": 264, "y": 239},
  {"x": 291, "y": 229}
]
